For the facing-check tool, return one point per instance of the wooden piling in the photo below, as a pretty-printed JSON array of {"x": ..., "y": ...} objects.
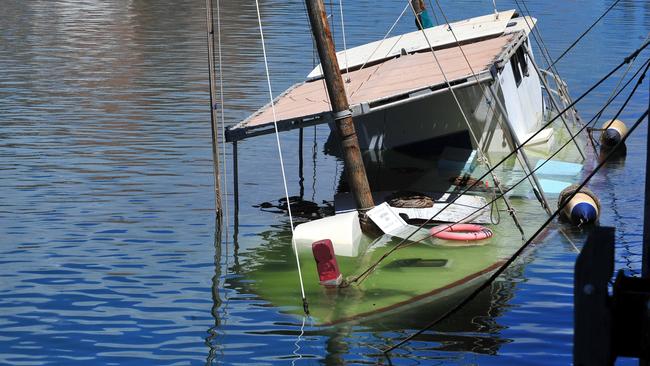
[
  {"x": 341, "y": 109},
  {"x": 213, "y": 109}
]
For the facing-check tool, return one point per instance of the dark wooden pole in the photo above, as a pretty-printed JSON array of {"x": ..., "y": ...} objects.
[
  {"x": 645, "y": 256},
  {"x": 213, "y": 109},
  {"x": 645, "y": 264},
  {"x": 341, "y": 108}
]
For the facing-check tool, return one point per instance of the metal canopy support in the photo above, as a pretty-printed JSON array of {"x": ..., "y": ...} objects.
[
  {"x": 241, "y": 131},
  {"x": 521, "y": 154},
  {"x": 552, "y": 99}
]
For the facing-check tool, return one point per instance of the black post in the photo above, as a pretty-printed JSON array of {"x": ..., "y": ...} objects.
[
  {"x": 235, "y": 178},
  {"x": 645, "y": 258},
  {"x": 301, "y": 177}
]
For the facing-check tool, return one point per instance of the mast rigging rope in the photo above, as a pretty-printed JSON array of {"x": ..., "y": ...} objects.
[
  {"x": 584, "y": 33},
  {"x": 533, "y": 182},
  {"x": 482, "y": 155},
  {"x": 345, "y": 44},
  {"x": 523, "y": 144},
  {"x": 504, "y": 266},
  {"x": 284, "y": 177}
]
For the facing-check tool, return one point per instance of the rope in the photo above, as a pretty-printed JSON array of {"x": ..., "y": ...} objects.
[
  {"x": 386, "y": 35},
  {"x": 503, "y": 267},
  {"x": 482, "y": 154},
  {"x": 504, "y": 113},
  {"x": 401, "y": 243},
  {"x": 277, "y": 139},
  {"x": 621, "y": 80},
  {"x": 537, "y": 35},
  {"x": 639, "y": 82},
  {"x": 584, "y": 33},
  {"x": 345, "y": 45}
]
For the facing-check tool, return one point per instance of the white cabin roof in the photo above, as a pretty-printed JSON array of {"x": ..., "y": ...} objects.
[
  {"x": 441, "y": 35},
  {"x": 398, "y": 77}
]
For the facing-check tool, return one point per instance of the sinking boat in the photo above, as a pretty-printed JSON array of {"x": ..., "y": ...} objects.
[{"x": 434, "y": 110}]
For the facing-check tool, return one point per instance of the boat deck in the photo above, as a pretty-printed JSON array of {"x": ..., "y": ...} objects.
[{"x": 396, "y": 80}]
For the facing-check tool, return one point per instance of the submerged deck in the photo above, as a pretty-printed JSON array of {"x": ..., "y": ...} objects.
[{"x": 386, "y": 83}]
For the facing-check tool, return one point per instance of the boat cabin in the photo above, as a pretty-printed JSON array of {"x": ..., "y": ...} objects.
[{"x": 399, "y": 90}]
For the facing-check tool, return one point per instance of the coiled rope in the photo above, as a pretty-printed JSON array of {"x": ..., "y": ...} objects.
[{"x": 305, "y": 306}]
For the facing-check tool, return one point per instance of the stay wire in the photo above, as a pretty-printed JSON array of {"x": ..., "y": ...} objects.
[
  {"x": 445, "y": 227},
  {"x": 647, "y": 63},
  {"x": 213, "y": 114},
  {"x": 539, "y": 166},
  {"x": 584, "y": 33},
  {"x": 523, "y": 144},
  {"x": 503, "y": 267},
  {"x": 345, "y": 44},
  {"x": 562, "y": 91},
  {"x": 482, "y": 155},
  {"x": 385, "y": 36},
  {"x": 284, "y": 178},
  {"x": 502, "y": 111},
  {"x": 627, "y": 70},
  {"x": 537, "y": 35}
]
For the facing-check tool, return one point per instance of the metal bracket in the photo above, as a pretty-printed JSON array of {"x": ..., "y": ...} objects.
[{"x": 342, "y": 114}]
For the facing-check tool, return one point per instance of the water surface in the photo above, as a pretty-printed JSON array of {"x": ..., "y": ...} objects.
[{"x": 107, "y": 233}]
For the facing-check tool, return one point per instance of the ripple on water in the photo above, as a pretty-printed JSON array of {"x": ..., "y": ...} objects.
[{"x": 106, "y": 208}]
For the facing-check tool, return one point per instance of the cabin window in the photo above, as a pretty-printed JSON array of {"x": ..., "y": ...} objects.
[
  {"x": 521, "y": 53},
  {"x": 515, "y": 69},
  {"x": 519, "y": 65}
]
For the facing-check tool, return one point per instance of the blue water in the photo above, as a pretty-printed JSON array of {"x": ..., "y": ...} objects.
[{"x": 108, "y": 240}]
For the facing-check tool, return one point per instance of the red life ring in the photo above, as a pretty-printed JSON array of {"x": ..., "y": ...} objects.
[{"x": 462, "y": 232}]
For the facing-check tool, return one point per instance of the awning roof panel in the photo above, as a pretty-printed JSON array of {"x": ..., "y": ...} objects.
[{"x": 394, "y": 77}]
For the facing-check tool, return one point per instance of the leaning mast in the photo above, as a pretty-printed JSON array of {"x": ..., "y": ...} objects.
[{"x": 341, "y": 110}]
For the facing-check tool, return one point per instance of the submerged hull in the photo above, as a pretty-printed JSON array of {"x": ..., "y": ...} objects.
[
  {"x": 442, "y": 145},
  {"x": 421, "y": 279}
]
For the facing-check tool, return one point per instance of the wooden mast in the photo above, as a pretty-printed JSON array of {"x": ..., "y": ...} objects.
[{"x": 341, "y": 109}]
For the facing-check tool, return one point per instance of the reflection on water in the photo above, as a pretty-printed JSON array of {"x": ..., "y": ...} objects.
[{"x": 107, "y": 233}]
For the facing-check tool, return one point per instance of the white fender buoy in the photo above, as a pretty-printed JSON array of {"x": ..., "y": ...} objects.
[
  {"x": 614, "y": 131},
  {"x": 582, "y": 208}
]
